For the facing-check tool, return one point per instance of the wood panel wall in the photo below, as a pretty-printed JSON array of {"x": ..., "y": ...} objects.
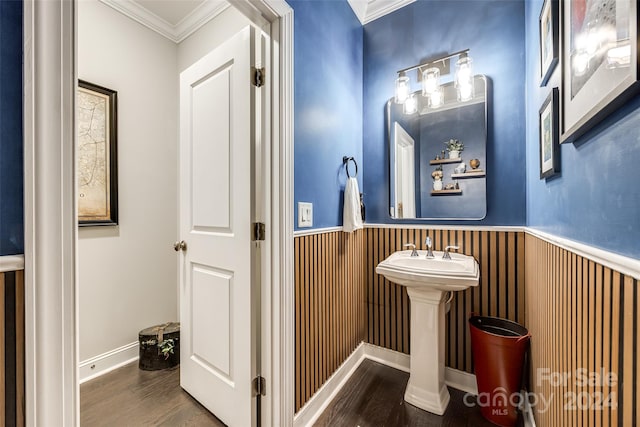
[
  {"x": 582, "y": 315},
  {"x": 500, "y": 292},
  {"x": 330, "y": 317},
  {"x": 12, "y": 341}
]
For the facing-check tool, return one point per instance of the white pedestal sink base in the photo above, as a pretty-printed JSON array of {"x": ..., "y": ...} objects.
[{"x": 426, "y": 388}]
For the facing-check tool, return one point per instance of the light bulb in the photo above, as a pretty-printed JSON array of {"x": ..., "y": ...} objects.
[
  {"x": 464, "y": 71},
  {"x": 410, "y": 104},
  {"x": 430, "y": 81},
  {"x": 402, "y": 88},
  {"x": 465, "y": 92},
  {"x": 436, "y": 99}
]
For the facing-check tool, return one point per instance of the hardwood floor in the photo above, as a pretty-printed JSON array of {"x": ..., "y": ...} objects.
[
  {"x": 373, "y": 397},
  {"x": 131, "y": 397}
]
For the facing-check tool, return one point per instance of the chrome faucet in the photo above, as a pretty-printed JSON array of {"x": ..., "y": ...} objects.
[
  {"x": 414, "y": 253},
  {"x": 427, "y": 242},
  {"x": 446, "y": 255}
]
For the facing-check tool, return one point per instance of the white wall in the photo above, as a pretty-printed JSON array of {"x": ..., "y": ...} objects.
[
  {"x": 128, "y": 274},
  {"x": 209, "y": 36}
]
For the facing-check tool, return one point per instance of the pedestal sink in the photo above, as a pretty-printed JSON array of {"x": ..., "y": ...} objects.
[{"x": 428, "y": 283}]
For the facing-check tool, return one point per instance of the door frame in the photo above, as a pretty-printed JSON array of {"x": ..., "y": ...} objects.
[{"x": 51, "y": 347}]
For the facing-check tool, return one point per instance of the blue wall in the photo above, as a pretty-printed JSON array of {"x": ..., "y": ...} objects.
[
  {"x": 596, "y": 198},
  {"x": 328, "y": 104},
  {"x": 11, "y": 187},
  {"x": 494, "y": 31}
]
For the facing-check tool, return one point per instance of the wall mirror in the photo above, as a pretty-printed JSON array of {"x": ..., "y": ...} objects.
[{"x": 419, "y": 155}]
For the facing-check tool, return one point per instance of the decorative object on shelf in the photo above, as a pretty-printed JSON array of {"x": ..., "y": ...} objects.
[
  {"x": 461, "y": 168},
  {"x": 454, "y": 147},
  {"x": 437, "y": 184},
  {"x": 549, "y": 135},
  {"x": 474, "y": 163},
  {"x": 97, "y": 155},
  {"x": 600, "y": 62},
  {"x": 450, "y": 186},
  {"x": 437, "y": 174},
  {"x": 549, "y": 33},
  {"x": 429, "y": 73},
  {"x": 457, "y": 186}
]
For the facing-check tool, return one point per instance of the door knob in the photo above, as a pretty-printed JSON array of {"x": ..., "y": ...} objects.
[{"x": 180, "y": 246}]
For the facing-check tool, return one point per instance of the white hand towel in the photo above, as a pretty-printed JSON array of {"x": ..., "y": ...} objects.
[{"x": 351, "y": 214}]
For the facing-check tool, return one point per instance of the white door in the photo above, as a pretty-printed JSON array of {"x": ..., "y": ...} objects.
[
  {"x": 218, "y": 286},
  {"x": 405, "y": 173}
]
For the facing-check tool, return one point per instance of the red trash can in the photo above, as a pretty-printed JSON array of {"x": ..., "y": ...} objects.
[{"x": 499, "y": 347}]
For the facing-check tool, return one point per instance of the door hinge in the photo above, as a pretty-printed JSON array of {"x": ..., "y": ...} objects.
[
  {"x": 258, "y": 231},
  {"x": 259, "y": 386},
  {"x": 258, "y": 76}
]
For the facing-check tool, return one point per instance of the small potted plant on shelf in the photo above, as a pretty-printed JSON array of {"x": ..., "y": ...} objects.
[{"x": 454, "y": 147}]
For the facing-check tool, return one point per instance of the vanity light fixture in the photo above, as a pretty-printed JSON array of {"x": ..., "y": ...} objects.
[{"x": 429, "y": 73}]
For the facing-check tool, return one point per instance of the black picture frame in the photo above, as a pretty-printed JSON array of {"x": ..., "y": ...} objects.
[
  {"x": 595, "y": 79},
  {"x": 549, "y": 29},
  {"x": 97, "y": 165},
  {"x": 549, "y": 129}
]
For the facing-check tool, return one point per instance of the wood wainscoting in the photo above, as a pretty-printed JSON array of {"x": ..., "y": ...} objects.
[
  {"x": 12, "y": 339},
  {"x": 500, "y": 292},
  {"x": 330, "y": 301},
  {"x": 582, "y": 315}
]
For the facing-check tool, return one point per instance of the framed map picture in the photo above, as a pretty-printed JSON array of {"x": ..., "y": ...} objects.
[{"x": 96, "y": 155}]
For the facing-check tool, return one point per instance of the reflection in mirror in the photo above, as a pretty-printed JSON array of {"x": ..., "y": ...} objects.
[{"x": 428, "y": 179}]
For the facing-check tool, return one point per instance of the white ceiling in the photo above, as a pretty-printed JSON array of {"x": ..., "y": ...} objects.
[
  {"x": 177, "y": 19},
  {"x": 174, "y": 19},
  {"x": 369, "y": 10},
  {"x": 172, "y": 11}
]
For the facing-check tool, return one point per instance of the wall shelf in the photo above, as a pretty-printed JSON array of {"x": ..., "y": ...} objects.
[
  {"x": 474, "y": 174},
  {"x": 445, "y": 161},
  {"x": 446, "y": 192}
]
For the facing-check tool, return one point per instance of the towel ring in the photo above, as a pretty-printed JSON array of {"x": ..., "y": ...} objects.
[{"x": 345, "y": 162}]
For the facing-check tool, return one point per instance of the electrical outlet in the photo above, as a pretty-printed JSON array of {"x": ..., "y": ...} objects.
[{"x": 305, "y": 214}]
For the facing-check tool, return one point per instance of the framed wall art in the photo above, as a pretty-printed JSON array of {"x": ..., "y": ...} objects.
[
  {"x": 549, "y": 27},
  {"x": 96, "y": 155},
  {"x": 549, "y": 136},
  {"x": 599, "y": 61}
]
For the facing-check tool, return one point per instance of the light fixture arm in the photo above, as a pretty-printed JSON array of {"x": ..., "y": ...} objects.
[{"x": 432, "y": 61}]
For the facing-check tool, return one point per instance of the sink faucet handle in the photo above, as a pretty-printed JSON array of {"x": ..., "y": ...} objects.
[
  {"x": 414, "y": 253},
  {"x": 446, "y": 255},
  {"x": 427, "y": 242}
]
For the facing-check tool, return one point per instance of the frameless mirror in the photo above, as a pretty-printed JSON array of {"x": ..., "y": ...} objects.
[{"x": 427, "y": 178}]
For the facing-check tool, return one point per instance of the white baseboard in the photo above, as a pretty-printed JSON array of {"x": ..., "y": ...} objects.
[
  {"x": 309, "y": 413},
  {"x": 107, "y": 362}
]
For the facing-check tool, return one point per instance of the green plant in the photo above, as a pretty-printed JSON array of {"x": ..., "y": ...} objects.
[
  {"x": 454, "y": 145},
  {"x": 167, "y": 347}
]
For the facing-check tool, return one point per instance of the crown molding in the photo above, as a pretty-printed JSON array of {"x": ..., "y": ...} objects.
[
  {"x": 370, "y": 10},
  {"x": 176, "y": 33}
]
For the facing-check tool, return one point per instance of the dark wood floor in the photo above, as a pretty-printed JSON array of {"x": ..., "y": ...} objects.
[
  {"x": 374, "y": 397},
  {"x": 131, "y": 397}
]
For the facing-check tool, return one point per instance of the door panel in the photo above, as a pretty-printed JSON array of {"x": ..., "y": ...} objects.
[{"x": 218, "y": 274}]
